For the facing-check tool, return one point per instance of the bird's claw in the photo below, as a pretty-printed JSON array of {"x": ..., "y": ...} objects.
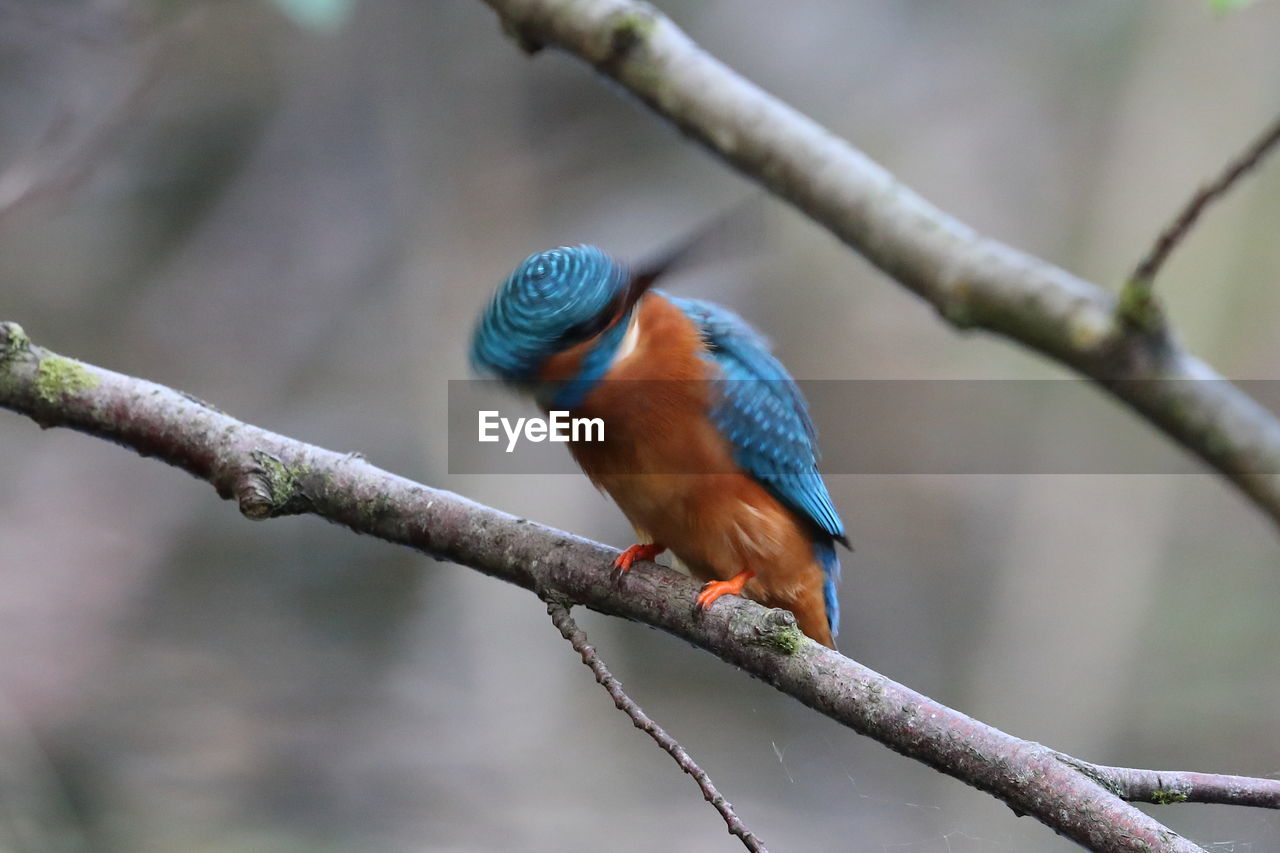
[
  {"x": 622, "y": 563},
  {"x": 713, "y": 590}
]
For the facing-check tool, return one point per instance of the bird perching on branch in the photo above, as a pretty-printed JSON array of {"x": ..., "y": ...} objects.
[{"x": 708, "y": 446}]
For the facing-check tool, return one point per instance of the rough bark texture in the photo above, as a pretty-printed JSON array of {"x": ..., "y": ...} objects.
[{"x": 270, "y": 475}]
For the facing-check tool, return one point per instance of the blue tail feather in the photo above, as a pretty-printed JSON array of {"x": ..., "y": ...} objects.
[{"x": 826, "y": 553}]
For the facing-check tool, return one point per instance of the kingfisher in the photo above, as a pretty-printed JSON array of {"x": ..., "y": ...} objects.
[{"x": 708, "y": 446}]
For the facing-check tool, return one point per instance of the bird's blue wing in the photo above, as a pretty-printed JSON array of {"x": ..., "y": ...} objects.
[{"x": 763, "y": 415}]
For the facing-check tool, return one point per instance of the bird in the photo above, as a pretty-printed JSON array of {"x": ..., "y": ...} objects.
[{"x": 708, "y": 447}]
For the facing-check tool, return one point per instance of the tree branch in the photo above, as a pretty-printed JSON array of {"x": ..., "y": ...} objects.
[
  {"x": 1138, "y": 307},
  {"x": 973, "y": 281},
  {"x": 1163, "y": 787},
  {"x": 1149, "y": 267},
  {"x": 270, "y": 475},
  {"x": 569, "y": 629}
]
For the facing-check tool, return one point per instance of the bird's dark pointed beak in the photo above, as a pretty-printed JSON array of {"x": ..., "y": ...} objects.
[{"x": 641, "y": 282}]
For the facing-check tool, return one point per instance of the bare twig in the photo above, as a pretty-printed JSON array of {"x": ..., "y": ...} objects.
[
  {"x": 578, "y": 639},
  {"x": 270, "y": 475},
  {"x": 1149, "y": 267},
  {"x": 1138, "y": 307},
  {"x": 973, "y": 281},
  {"x": 1163, "y": 787}
]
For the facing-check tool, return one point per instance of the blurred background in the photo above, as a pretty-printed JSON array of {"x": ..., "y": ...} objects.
[{"x": 296, "y": 210}]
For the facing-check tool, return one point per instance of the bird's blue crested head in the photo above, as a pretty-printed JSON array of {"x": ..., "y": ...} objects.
[{"x": 551, "y": 302}]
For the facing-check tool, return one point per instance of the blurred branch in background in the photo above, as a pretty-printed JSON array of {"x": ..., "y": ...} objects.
[
  {"x": 73, "y": 146},
  {"x": 97, "y": 30},
  {"x": 270, "y": 475},
  {"x": 973, "y": 281}
]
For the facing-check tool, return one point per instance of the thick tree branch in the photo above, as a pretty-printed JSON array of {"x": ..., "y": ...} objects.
[
  {"x": 973, "y": 281},
  {"x": 271, "y": 475},
  {"x": 559, "y": 613}
]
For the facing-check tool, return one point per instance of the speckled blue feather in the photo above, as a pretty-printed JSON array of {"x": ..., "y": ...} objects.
[
  {"x": 766, "y": 420},
  {"x": 552, "y": 300}
]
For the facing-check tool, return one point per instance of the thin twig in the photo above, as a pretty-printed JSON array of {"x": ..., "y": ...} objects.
[
  {"x": 1176, "y": 232},
  {"x": 1163, "y": 787},
  {"x": 578, "y": 639}
]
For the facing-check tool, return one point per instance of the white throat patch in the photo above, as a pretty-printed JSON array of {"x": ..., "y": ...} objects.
[{"x": 629, "y": 340}]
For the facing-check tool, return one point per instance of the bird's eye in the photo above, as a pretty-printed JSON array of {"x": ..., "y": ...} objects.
[{"x": 588, "y": 328}]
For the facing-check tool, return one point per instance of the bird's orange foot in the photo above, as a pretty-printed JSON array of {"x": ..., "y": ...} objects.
[
  {"x": 622, "y": 564},
  {"x": 715, "y": 589}
]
